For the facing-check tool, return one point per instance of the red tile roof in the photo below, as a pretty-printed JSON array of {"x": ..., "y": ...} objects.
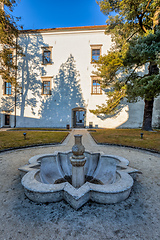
[{"x": 99, "y": 27}]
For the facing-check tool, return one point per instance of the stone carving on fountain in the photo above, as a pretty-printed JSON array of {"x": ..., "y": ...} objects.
[{"x": 77, "y": 176}]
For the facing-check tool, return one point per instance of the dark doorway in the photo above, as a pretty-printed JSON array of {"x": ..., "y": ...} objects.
[
  {"x": 79, "y": 117},
  {"x": 7, "y": 120}
]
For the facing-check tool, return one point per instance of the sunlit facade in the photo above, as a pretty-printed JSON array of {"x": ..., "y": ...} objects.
[{"x": 57, "y": 86}]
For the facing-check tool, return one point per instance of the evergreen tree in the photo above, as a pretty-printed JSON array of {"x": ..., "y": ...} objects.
[{"x": 134, "y": 27}]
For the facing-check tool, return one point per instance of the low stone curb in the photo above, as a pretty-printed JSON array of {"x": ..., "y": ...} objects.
[
  {"x": 30, "y": 130},
  {"x": 28, "y": 146}
]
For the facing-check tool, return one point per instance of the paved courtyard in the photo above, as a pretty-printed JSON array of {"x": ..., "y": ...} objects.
[{"x": 136, "y": 218}]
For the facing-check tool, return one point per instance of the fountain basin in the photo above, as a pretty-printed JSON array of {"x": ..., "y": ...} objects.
[{"x": 107, "y": 179}]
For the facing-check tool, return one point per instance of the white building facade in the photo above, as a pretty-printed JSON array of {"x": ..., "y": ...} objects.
[{"x": 57, "y": 84}]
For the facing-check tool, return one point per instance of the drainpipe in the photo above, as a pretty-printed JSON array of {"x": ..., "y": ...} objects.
[
  {"x": 15, "y": 92},
  {"x": 1, "y": 7}
]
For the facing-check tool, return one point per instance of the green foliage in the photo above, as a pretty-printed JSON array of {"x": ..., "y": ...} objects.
[
  {"x": 112, "y": 103},
  {"x": 108, "y": 65},
  {"x": 127, "y": 17},
  {"x": 143, "y": 50},
  {"x": 134, "y": 27},
  {"x": 146, "y": 87},
  {"x": 8, "y": 35}
]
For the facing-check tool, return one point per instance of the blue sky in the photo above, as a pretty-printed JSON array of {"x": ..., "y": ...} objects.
[{"x": 36, "y": 14}]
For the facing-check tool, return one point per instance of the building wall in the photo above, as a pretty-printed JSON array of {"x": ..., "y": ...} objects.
[
  {"x": 6, "y": 104},
  {"x": 71, "y": 83}
]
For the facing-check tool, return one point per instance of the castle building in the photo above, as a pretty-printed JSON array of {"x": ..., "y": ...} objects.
[{"x": 57, "y": 83}]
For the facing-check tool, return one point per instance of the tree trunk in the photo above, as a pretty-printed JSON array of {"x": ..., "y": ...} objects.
[
  {"x": 148, "y": 109},
  {"x": 147, "y": 117}
]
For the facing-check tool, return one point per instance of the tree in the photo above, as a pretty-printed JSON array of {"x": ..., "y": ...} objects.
[
  {"x": 133, "y": 25},
  {"x": 144, "y": 50},
  {"x": 8, "y": 42}
]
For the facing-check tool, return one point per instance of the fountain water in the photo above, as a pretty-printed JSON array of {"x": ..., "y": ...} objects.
[{"x": 77, "y": 176}]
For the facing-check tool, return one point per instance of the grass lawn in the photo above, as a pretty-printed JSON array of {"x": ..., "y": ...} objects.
[
  {"x": 129, "y": 137},
  {"x": 13, "y": 139}
]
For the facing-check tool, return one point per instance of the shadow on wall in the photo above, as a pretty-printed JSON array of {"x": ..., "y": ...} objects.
[
  {"x": 127, "y": 115},
  {"x": 135, "y": 115},
  {"x": 30, "y": 69},
  {"x": 56, "y": 109},
  {"x": 120, "y": 107}
]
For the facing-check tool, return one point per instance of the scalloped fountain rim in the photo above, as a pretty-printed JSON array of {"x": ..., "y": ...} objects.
[{"x": 107, "y": 193}]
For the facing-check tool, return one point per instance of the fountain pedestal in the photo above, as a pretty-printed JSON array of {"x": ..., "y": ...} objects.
[
  {"x": 78, "y": 161},
  {"x": 103, "y": 179}
]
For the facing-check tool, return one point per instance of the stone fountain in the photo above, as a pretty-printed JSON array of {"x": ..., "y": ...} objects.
[
  {"x": 78, "y": 161},
  {"x": 77, "y": 176}
]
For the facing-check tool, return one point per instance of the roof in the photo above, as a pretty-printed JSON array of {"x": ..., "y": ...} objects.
[{"x": 99, "y": 27}]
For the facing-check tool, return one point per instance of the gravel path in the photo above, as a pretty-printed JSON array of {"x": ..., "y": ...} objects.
[{"x": 138, "y": 217}]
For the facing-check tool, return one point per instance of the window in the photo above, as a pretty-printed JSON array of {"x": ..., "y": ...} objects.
[
  {"x": 9, "y": 52},
  {"x": 10, "y": 58},
  {"x": 46, "y": 85},
  {"x": 47, "y": 55},
  {"x": 96, "y": 87},
  {"x": 95, "y": 53},
  {"x": 7, "y": 88}
]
